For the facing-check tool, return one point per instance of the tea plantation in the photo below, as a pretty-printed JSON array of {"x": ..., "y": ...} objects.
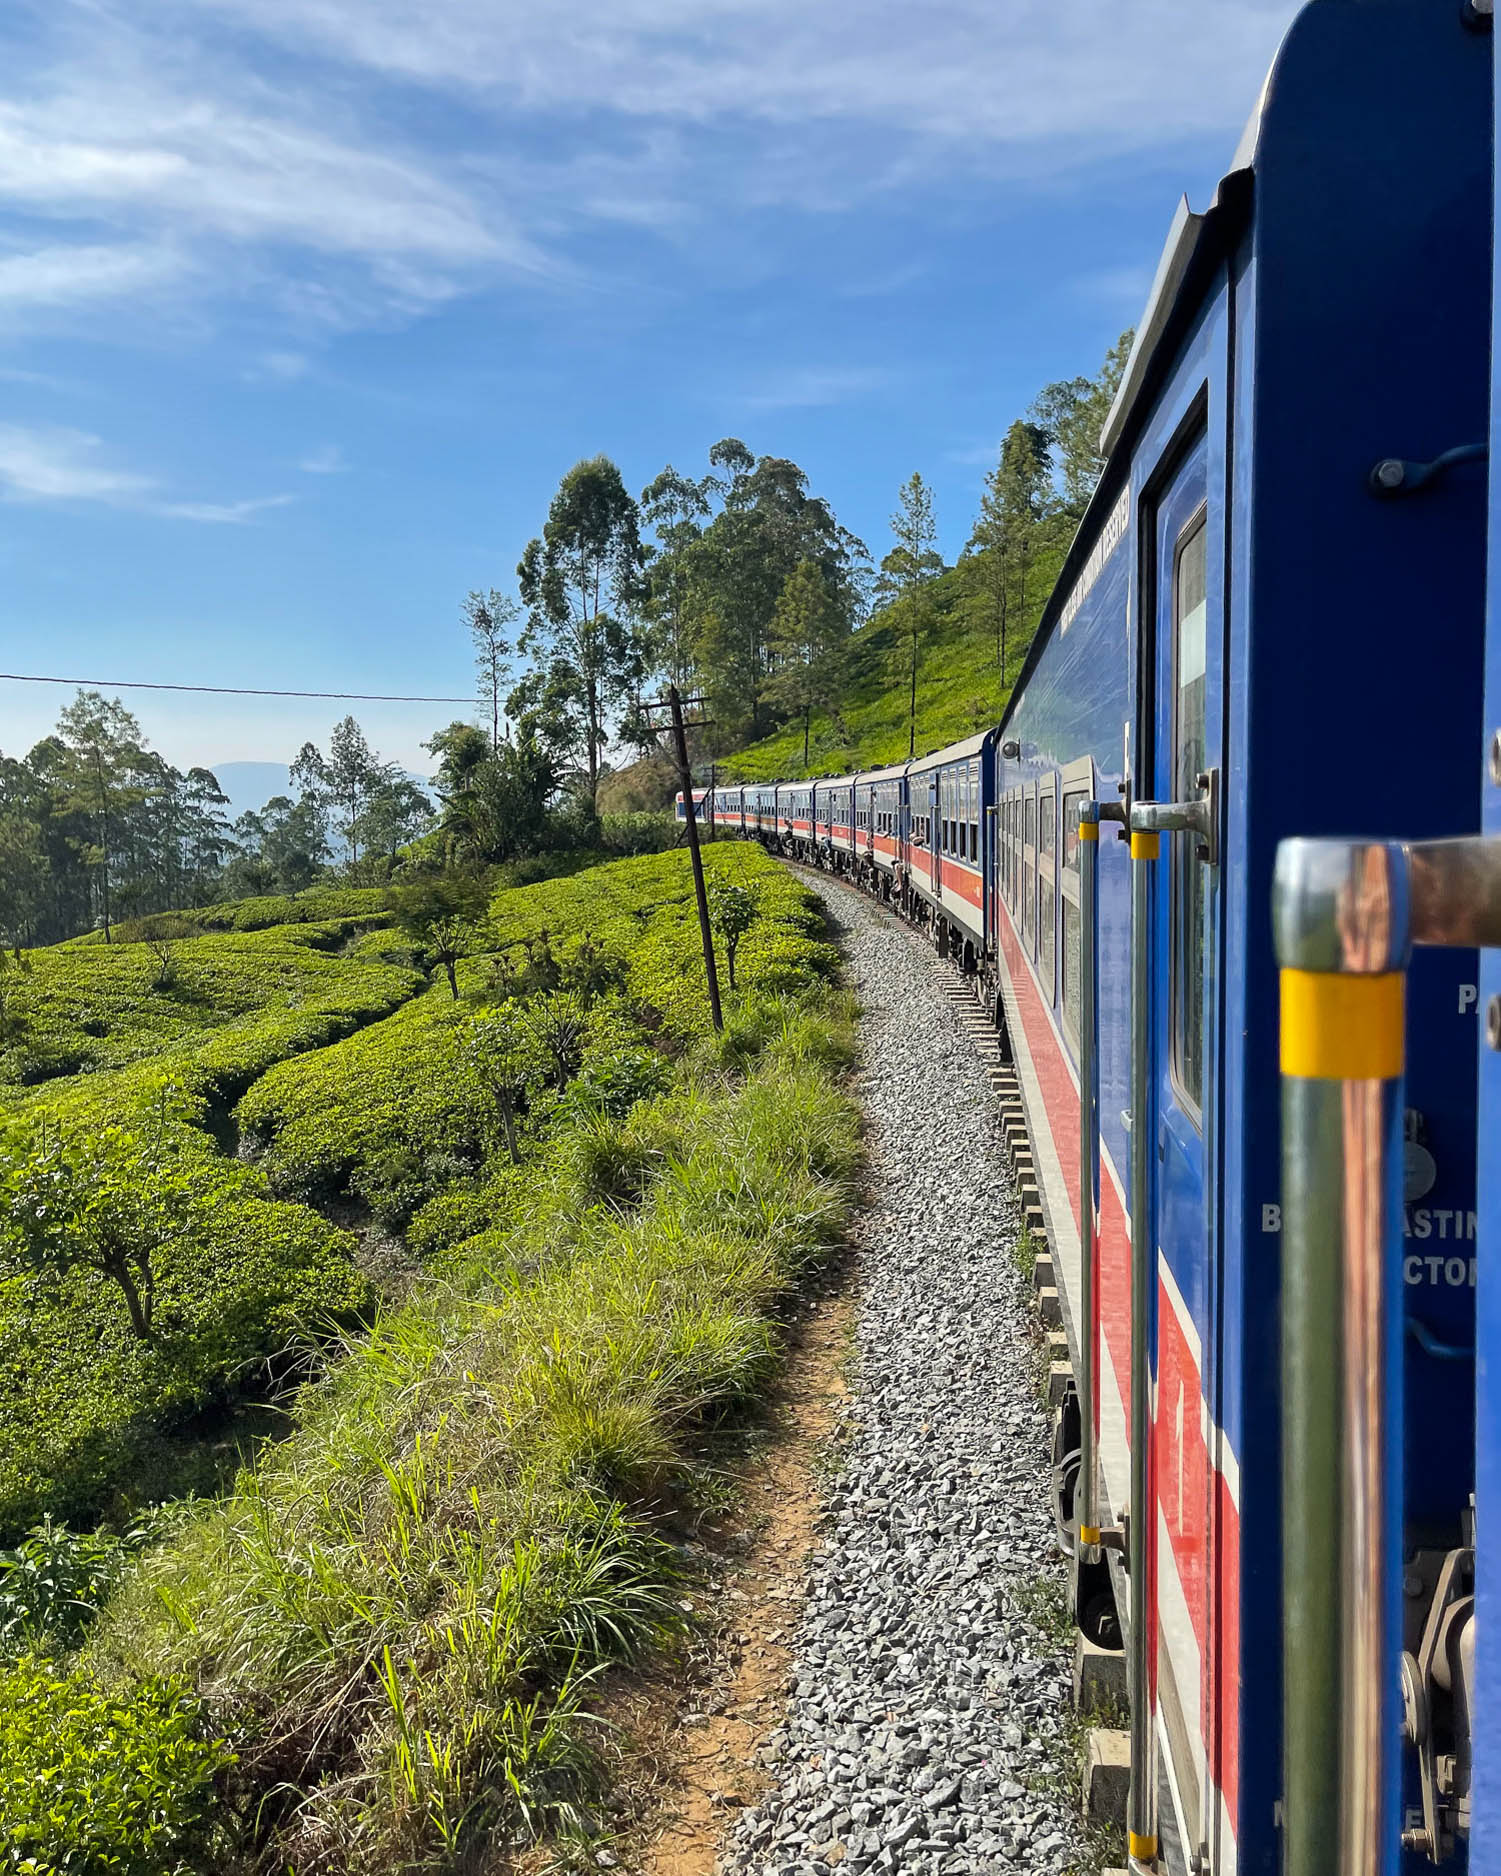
[{"x": 375, "y": 1647}]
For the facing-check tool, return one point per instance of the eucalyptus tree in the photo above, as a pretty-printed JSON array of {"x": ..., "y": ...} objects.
[
  {"x": 736, "y": 567},
  {"x": 907, "y": 571},
  {"x": 1017, "y": 500},
  {"x": 676, "y": 507},
  {"x": 101, "y": 741},
  {"x": 1072, "y": 413},
  {"x": 807, "y": 644},
  {"x": 490, "y": 617},
  {"x": 581, "y": 581}
]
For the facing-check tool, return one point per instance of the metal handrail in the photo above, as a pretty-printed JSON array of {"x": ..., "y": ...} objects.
[
  {"x": 1341, "y": 913},
  {"x": 1347, "y": 914},
  {"x": 1141, "y": 1806},
  {"x": 1089, "y": 1113}
]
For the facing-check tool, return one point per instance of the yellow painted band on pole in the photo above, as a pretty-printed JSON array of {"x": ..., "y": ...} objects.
[
  {"x": 1145, "y": 846},
  {"x": 1089, "y": 830},
  {"x": 1339, "y": 1026},
  {"x": 1142, "y": 1849},
  {"x": 1089, "y": 1534}
]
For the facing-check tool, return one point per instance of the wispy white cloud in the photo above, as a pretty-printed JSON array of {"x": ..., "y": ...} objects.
[
  {"x": 806, "y": 387},
  {"x": 42, "y": 380},
  {"x": 327, "y": 461},
  {"x": 58, "y": 465},
  {"x": 221, "y": 512},
  {"x": 52, "y": 464},
  {"x": 350, "y": 162},
  {"x": 60, "y": 275},
  {"x": 950, "y": 68},
  {"x": 283, "y": 367},
  {"x": 976, "y": 455},
  {"x": 1124, "y": 287}
]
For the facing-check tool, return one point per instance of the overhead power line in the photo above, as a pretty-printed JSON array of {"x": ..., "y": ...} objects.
[{"x": 227, "y": 690}]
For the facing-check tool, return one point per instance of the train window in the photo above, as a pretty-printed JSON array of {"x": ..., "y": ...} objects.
[
  {"x": 974, "y": 812},
  {"x": 1015, "y": 809},
  {"x": 1008, "y": 856},
  {"x": 1190, "y": 629},
  {"x": 1072, "y": 928},
  {"x": 1047, "y": 886},
  {"x": 1029, "y": 865}
]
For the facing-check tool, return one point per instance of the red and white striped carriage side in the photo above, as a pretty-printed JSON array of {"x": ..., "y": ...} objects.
[
  {"x": 948, "y": 793},
  {"x": 834, "y": 806},
  {"x": 880, "y": 819}
]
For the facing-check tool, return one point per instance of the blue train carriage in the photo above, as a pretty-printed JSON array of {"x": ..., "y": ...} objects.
[
  {"x": 880, "y": 830},
  {"x": 725, "y": 801},
  {"x": 948, "y": 795},
  {"x": 836, "y": 833},
  {"x": 760, "y": 809},
  {"x": 795, "y": 818},
  {"x": 1269, "y": 625}
]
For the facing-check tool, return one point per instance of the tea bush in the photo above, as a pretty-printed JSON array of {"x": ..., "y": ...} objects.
[
  {"x": 91, "y": 1781},
  {"x": 398, "y": 1111},
  {"x": 93, "y": 1419},
  {"x": 80, "y": 1009}
]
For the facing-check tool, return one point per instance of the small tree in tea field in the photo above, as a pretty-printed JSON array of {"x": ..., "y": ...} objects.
[
  {"x": 442, "y": 914},
  {"x": 560, "y": 1023},
  {"x": 732, "y": 912},
  {"x": 107, "y": 1202},
  {"x": 502, "y": 1050}
]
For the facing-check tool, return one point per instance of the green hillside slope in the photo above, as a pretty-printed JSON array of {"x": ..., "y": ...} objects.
[{"x": 960, "y": 687}]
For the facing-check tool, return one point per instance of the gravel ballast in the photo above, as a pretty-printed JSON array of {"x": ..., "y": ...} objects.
[{"x": 928, "y": 1729}]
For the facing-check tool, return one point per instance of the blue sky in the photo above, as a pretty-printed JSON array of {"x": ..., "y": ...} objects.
[{"x": 305, "y": 305}]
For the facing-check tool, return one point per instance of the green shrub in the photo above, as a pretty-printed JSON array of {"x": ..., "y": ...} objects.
[
  {"x": 644, "y": 831},
  {"x": 91, "y": 1782},
  {"x": 90, "y": 1008},
  {"x": 55, "y": 1580},
  {"x": 611, "y": 1081}
]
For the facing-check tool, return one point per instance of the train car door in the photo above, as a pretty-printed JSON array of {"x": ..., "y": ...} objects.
[
  {"x": 935, "y": 825},
  {"x": 1184, "y": 668}
]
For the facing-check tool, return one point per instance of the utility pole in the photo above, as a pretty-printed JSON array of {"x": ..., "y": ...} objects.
[
  {"x": 690, "y": 819},
  {"x": 713, "y": 802}
]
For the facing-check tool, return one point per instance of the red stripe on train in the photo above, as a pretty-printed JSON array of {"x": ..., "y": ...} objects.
[{"x": 1175, "y": 1362}]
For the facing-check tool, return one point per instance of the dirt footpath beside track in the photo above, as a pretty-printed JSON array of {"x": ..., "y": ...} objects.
[{"x": 900, "y": 1699}]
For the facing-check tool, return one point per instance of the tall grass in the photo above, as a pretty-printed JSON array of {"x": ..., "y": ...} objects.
[{"x": 397, "y": 1617}]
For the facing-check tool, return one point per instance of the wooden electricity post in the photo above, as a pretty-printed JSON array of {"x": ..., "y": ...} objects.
[{"x": 690, "y": 819}]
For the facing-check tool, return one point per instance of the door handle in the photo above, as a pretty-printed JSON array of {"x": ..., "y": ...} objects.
[{"x": 1199, "y": 817}]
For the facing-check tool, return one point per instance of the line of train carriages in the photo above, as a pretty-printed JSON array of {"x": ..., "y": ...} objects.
[{"x": 1221, "y": 871}]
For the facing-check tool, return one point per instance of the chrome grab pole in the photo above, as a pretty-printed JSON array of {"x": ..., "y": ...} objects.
[
  {"x": 1089, "y": 1113},
  {"x": 1148, "y": 821},
  {"x": 1141, "y": 1806},
  {"x": 1347, "y": 914},
  {"x": 1341, "y": 912}
]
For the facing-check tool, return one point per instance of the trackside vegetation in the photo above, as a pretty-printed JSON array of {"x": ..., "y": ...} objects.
[{"x": 380, "y": 1646}]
